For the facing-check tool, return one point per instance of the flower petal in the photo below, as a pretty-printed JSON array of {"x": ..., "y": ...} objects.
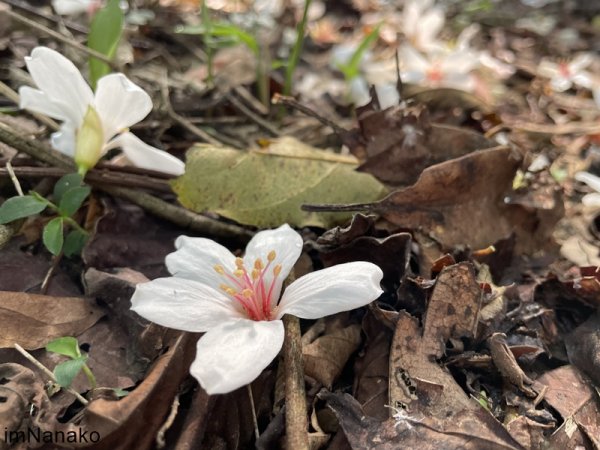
[
  {"x": 548, "y": 69},
  {"x": 120, "y": 103},
  {"x": 329, "y": 291},
  {"x": 37, "y": 101},
  {"x": 183, "y": 304},
  {"x": 64, "y": 139},
  {"x": 60, "y": 81},
  {"x": 233, "y": 354},
  {"x": 287, "y": 245},
  {"x": 68, "y": 7},
  {"x": 145, "y": 156},
  {"x": 590, "y": 179},
  {"x": 581, "y": 61},
  {"x": 196, "y": 258},
  {"x": 429, "y": 27}
]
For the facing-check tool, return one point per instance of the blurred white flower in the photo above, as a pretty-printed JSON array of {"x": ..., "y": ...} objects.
[
  {"x": 422, "y": 21},
  {"x": 592, "y": 181},
  {"x": 236, "y": 301},
  {"x": 451, "y": 69},
  {"x": 72, "y": 7},
  {"x": 563, "y": 75},
  {"x": 92, "y": 123}
]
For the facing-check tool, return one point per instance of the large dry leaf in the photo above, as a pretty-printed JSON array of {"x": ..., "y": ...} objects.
[
  {"x": 32, "y": 320},
  {"x": 267, "y": 188}
]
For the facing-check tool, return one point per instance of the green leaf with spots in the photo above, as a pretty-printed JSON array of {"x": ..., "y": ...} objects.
[{"x": 267, "y": 188}]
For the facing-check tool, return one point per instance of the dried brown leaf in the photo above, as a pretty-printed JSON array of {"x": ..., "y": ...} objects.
[{"x": 33, "y": 320}]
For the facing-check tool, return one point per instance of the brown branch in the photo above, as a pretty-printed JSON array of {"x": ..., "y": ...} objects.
[
  {"x": 296, "y": 422},
  {"x": 293, "y": 103}
]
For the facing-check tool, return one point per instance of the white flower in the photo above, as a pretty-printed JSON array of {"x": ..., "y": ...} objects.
[
  {"x": 564, "y": 75},
  {"x": 236, "y": 301},
  {"x": 71, "y": 7},
  {"x": 593, "y": 199},
  {"x": 421, "y": 24},
  {"x": 449, "y": 68},
  {"x": 117, "y": 104}
]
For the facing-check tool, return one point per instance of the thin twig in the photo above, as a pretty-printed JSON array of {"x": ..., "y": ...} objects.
[
  {"x": 14, "y": 179},
  {"x": 253, "y": 411},
  {"x": 251, "y": 115},
  {"x": 74, "y": 26},
  {"x": 292, "y": 102},
  {"x": 164, "y": 89},
  {"x": 46, "y": 283},
  {"x": 64, "y": 39},
  {"x": 160, "y": 435},
  {"x": 296, "y": 422},
  {"x": 47, "y": 372}
]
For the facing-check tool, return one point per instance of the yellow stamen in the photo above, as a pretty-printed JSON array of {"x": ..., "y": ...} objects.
[
  {"x": 255, "y": 274},
  {"x": 247, "y": 293},
  {"x": 258, "y": 264},
  {"x": 277, "y": 270},
  {"x": 231, "y": 291},
  {"x": 219, "y": 269},
  {"x": 239, "y": 263},
  {"x": 271, "y": 256},
  {"x": 239, "y": 273},
  {"x": 224, "y": 287}
]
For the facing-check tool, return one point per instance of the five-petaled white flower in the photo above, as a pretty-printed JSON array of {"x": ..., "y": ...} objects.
[
  {"x": 236, "y": 301},
  {"x": 92, "y": 123},
  {"x": 563, "y": 75}
]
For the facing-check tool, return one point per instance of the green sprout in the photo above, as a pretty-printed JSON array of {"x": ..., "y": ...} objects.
[
  {"x": 105, "y": 33},
  {"x": 69, "y": 194},
  {"x": 294, "y": 58},
  {"x": 351, "y": 69},
  {"x": 66, "y": 371}
]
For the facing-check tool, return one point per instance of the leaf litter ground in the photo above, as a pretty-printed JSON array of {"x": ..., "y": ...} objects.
[{"x": 487, "y": 334}]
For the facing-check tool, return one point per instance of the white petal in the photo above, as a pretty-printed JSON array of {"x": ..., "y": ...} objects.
[
  {"x": 183, "y": 304},
  {"x": 120, "y": 103},
  {"x": 429, "y": 27},
  {"x": 329, "y": 291},
  {"x": 411, "y": 60},
  {"x": 196, "y": 258},
  {"x": 548, "y": 69},
  {"x": 463, "y": 41},
  {"x": 591, "y": 200},
  {"x": 591, "y": 180},
  {"x": 233, "y": 354},
  {"x": 584, "y": 79},
  {"x": 37, "y": 101},
  {"x": 560, "y": 83},
  {"x": 145, "y": 156},
  {"x": 287, "y": 245},
  {"x": 581, "y": 61},
  {"x": 358, "y": 91},
  {"x": 68, "y": 7},
  {"x": 60, "y": 81},
  {"x": 64, "y": 140}
]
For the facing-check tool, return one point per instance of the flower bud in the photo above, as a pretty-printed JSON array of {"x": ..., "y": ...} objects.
[{"x": 90, "y": 140}]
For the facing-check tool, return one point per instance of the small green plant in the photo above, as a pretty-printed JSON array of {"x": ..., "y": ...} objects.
[
  {"x": 483, "y": 400},
  {"x": 69, "y": 194},
  {"x": 351, "y": 69},
  {"x": 65, "y": 372},
  {"x": 105, "y": 33},
  {"x": 294, "y": 58}
]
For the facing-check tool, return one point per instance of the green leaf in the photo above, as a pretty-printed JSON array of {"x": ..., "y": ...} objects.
[
  {"x": 121, "y": 392},
  {"x": 351, "y": 69},
  {"x": 67, "y": 182},
  {"x": 105, "y": 33},
  {"x": 72, "y": 200},
  {"x": 74, "y": 243},
  {"x": 267, "y": 189},
  {"x": 234, "y": 34},
  {"x": 18, "y": 207},
  {"x": 53, "y": 235},
  {"x": 67, "y": 346},
  {"x": 65, "y": 372}
]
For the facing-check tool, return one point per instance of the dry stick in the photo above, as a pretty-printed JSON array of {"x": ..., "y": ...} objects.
[
  {"x": 251, "y": 115},
  {"x": 94, "y": 177},
  {"x": 14, "y": 97},
  {"x": 47, "y": 372},
  {"x": 64, "y": 39},
  {"x": 160, "y": 435},
  {"x": 292, "y": 102},
  {"x": 296, "y": 423},
  {"x": 164, "y": 90},
  {"x": 154, "y": 205}
]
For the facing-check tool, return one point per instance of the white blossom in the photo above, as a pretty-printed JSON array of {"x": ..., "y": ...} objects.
[
  {"x": 236, "y": 301},
  {"x": 105, "y": 115}
]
